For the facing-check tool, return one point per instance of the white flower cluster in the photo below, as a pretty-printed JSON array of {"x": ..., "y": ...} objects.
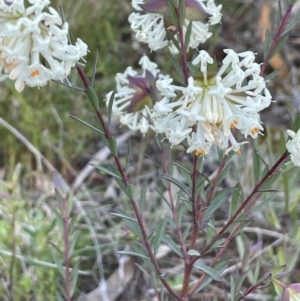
[
  {"x": 211, "y": 107},
  {"x": 293, "y": 146},
  {"x": 134, "y": 94},
  {"x": 152, "y": 20},
  {"x": 34, "y": 45},
  {"x": 216, "y": 104}
]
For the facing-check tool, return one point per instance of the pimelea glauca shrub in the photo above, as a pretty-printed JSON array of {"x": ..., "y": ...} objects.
[{"x": 207, "y": 107}]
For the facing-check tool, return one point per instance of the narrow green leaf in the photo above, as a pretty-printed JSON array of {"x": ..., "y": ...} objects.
[
  {"x": 123, "y": 216},
  {"x": 122, "y": 186},
  {"x": 278, "y": 270},
  {"x": 210, "y": 231},
  {"x": 109, "y": 108},
  {"x": 266, "y": 278},
  {"x": 296, "y": 124},
  {"x": 172, "y": 245},
  {"x": 192, "y": 68},
  {"x": 113, "y": 147},
  {"x": 219, "y": 267},
  {"x": 232, "y": 288},
  {"x": 256, "y": 273},
  {"x": 142, "y": 269},
  {"x": 93, "y": 98},
  {"x": 181, "y": 212},
  {"x": 279, "y": 15},
  {"x": 216, "y": 202},
  {"x": 171, "y": 179},
  {"x": 106, "y": 170},
  {"x": 141, "y": 250},
  {"x": 87, "y": 124},
  {"x": 58, "y": 296},
  {"x": 73, "y": 243},
  {"x": 268, "y": 40},
  {"x": 239, "y": 281},
  {"x": 174, "y": 2},
  {"x": 279, "y": 45},
  {"x": 193, "y": 252},
  {"x": 209, "y": 271},
  {"x": 178, "y": 69},
  {"x": 172, "y": 12},
  {"x": 290, "y": 25},
  {"x": 263, "y": 160},
  {"x": 224, "y": 171},
  {"x": 171, "y": 37},
  {"x": 185, "y": 173},
  {"x": 159, "y": 234},
  {"x": 131, "y": 223},
  {"x": 131, "y": 253},
  {"x": 128, "y": 152},
  {"x": 187, "y": 231},
  {"x": 61, "y": 289},
  {"x": 200, "y": 184},
  {"x": 181, "y": 13},
  {"x": 239, "y": 296},
  {"x": 94, "y": 68},
  {"x": 256, "y": 166},
  {"x": 143, "y": 196},
  {"x": 188, "y": 36},
  {"x": 188, "y": 204},
  {"x": 218, "y": 244},
  {"x": 100, "y": 127},
  {"x": 272, "y": 74},
  {"x": 59, "y": 265},
  {"x": 134, "y": 227},
  {"x": 151, "y": 237},
  {"x": 269, "y": 181},
  {"x": 67, "y": 84},
  {"x": 131, "y": 191},
  {"x": 285, "y": 184},
  {"x": 59, "y": 221},
  {"x": 50, "y": 227},
  {"x": 162, "y": 197},
  {"x": 236, "y": 196},
  {"x": 74, "y": 277},
  {"x": 181, "y": 167}
]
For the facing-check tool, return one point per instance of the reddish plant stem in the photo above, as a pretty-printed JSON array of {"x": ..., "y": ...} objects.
[
  {"x": 133, "y": 203},
  {"x": 277, "y": 38},
  {"x": 195, "y": 208},
  {"x": 212, "y": 189},
  {"x": 172, "y": 202},
  {"x": 182, "y": 45},
  {"x": 195, "y": 205},
  {"x": 215, "y": 259},
  {"x": 250, "y": 290},
  {"x": 244, "y": 204},
  {"x": 65, "y": 214},
  {"x": 216, "y": 179}
]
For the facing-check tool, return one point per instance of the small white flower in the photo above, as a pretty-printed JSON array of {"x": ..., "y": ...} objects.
[
  {"x": 214, "y": 105},
  {"x": 34, "y": 45},
  {"x": 153, "y": 19},
  {"x": 135, "y": 94},
  {"x": 293, "y": 146}
]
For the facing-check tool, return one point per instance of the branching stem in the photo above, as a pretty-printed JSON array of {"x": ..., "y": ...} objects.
[{"x": 133, "y": 203}]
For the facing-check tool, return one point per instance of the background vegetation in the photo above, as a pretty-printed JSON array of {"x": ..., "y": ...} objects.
[{"x": 31, "y": 240}]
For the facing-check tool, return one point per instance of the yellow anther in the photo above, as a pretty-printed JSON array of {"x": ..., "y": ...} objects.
[
  {"x": 200, "y": 152},
  {"x": 35, "y": 73},
  {"x": 254, "y": 131},
  {"x": 233, "y": 124}
]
